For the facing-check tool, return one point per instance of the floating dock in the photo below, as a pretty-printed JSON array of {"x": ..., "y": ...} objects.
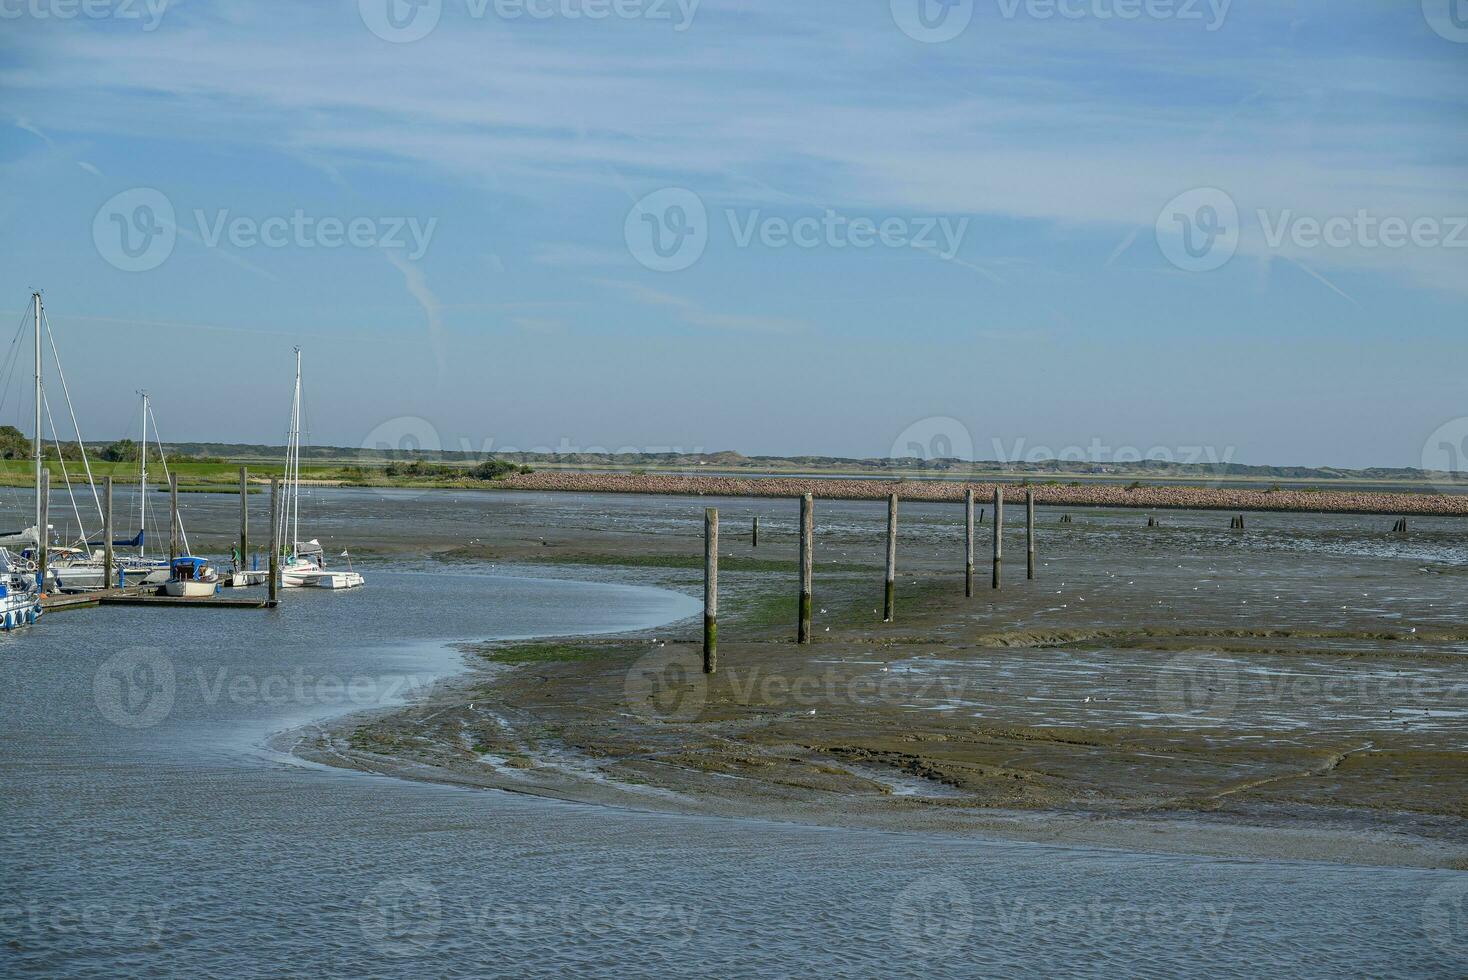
[{"x": 147, "y": 596}]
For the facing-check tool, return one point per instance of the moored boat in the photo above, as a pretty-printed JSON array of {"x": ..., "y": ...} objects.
[{"x": 194, "y": 578}]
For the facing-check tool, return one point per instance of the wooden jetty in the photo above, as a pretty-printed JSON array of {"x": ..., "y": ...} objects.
[{"x": 147, "y": 596}]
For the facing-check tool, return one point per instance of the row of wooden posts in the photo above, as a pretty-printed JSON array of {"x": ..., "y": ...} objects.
[
  {"x": 173, "y": 524},
  {"x": 807, "y": 563}
]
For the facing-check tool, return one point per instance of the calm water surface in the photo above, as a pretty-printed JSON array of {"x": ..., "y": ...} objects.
[{"x": 145, "y": 827}]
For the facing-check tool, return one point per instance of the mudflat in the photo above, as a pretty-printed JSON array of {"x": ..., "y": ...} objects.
[{"x": 1295, "y": 690}]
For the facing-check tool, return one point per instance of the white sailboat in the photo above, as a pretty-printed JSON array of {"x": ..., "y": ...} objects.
[{"x": 305, "y": 566}]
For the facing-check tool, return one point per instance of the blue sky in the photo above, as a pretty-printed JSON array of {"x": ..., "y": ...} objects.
[{"x": 1066, "y": 150}]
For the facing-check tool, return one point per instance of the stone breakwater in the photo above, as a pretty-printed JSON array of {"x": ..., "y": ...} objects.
[{"x": 1085, "y": 495}]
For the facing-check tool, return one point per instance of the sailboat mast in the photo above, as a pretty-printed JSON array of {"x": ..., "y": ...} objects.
[
  {"x": 296, "y": 486},
  {"x": 143, "y": 483},
  {"x": 40, "y": 531}
]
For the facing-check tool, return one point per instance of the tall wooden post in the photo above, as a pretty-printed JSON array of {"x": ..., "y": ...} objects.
[
  {"x": 807, "y": 561},
  {"x": 1030, "y": 533},
  {"x": 173, "y": 516},
  {"x": 968, "y": 543},
  {"x": 244, "y": 519},
  {"x": 889, "y": 606},
  {"x": 998, "y": 532},
  {"x": 274, "y": 579},
  {"x": 107, "y": 532},
  {"x": 754, "y": 533},
  {"x": 43, "y": 537},
  {"x": 710, "y": 590}
]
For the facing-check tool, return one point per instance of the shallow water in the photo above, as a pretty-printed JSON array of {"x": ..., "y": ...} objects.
[{"x": 146, "y": 827}]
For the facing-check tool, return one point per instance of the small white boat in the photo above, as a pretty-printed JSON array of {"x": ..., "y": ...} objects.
[
  {"x": 306, "y": 569},
  {"x": 193, "y": 578},
  {"x": 244, "y": 579}
]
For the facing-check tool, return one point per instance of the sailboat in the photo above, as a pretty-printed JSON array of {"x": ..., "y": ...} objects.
[
  {"x": 80, "y": 571},
  {"x": 305, "y": 566}
]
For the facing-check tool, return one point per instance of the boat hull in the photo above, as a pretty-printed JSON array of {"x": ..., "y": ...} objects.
[{"x": 189, "y": 590}]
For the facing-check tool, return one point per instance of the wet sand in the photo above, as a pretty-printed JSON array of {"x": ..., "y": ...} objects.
[{"x": 1283, "y": 693}]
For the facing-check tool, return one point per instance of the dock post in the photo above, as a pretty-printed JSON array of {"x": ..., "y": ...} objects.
[
  {"x": 710, "y": 590},
  {"x": 807, "y": 560},
  {"x": 998, "y": 532},
  {"x": 889, "y": 606},
  {"x": 106, "y": 532},
  {"x": 274, "y": 565},
  {"x": 1030, "y": 534},
  {"x": 968, "y": 543},
  {"x": 244, "y": 518},
  {"x": 43, "y": 538},
  {"x": 172, "y": 517},
  {"x": 754, "y": 533}
]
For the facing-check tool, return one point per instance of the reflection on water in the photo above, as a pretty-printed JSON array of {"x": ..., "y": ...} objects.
[{"x": 144, "y": 828}]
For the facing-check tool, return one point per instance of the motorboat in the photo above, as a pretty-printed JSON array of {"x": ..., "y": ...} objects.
[{"x": 193, "y": 578}]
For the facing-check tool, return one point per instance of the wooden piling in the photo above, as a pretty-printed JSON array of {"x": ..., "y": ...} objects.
[
  {"x": 889, "y": 606},
  {"x": 274, "y": 580},
  {"x": 107, "y": 532},
  {"x": 172, "y": 516},
  {"x": 968, "y": 543},
  {"x": 998, "y": 532},
  {"x": 807, "y": 562},
  {"x": 710, "y": 590},
  {"x": 244, "y": 519},
  {"x": 43, "y": 537},
  {"x": 754, "y": 533},
  {"x": 1030, "y": 534}
]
